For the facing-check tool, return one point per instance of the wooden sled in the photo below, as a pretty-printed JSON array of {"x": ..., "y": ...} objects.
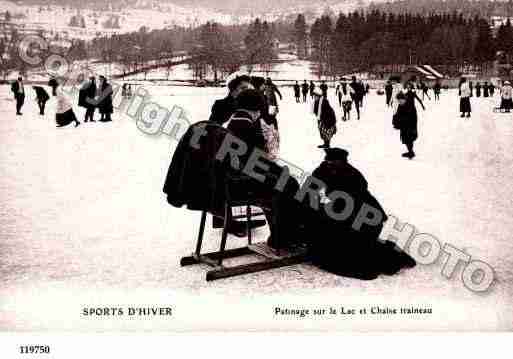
[{"x": 271, "y": 259}]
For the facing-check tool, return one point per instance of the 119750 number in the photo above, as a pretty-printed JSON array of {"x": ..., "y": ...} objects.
[{"x": 34, "y": 349}]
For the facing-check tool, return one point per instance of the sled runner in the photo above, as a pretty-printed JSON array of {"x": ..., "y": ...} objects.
[{"x": 271, "y": 259}]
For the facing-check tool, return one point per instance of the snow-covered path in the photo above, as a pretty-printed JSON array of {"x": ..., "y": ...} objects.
[{"x": 83, "y": 221}]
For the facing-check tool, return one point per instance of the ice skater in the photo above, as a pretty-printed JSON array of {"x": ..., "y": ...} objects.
[
  {"x": 437, "y": 88},
  {"x": 86, "y": 97},
  {"x": 42, "y": 98},
  {"x": 297, "y": 92},
  {"x": 486, "y": 90},
  {"x": 388, "y": 93},
  {"x": 465, "y": 95},
  {"x": 406, "y": 119},
  {"x": 356, "y": 91},
  {"x": 304, "y": 90},
  {"x": 18, "y": 90},
  {"x": 324, "y": 89},
  {"x": 64, "y": 114},
  {"x": 312, "y": 89},
  {"x": 425, "y": 91},
  {"x": 104, "y": 95},
  {"x": 346, "y": 104},
  {"x": 326, "y": 119},
  {"x": 506, "y": 97},
  {"x": 478, "y": 89}
]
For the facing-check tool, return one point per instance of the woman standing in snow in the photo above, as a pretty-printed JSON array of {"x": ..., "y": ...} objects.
[
  {"x": 405, "y": 119},
  {"x": 465, "y": 93},
  {"x": 64, "y": 114}
]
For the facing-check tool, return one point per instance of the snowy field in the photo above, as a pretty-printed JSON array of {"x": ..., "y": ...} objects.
[{"x": 84, "y": 222}]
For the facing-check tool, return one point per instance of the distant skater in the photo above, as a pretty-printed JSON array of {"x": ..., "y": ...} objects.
[
  {"x": 324, "y": 89},
  {"x": 406, "y": 119},
  {"x": 486, "y": 90},
  {"x": 312, "y": 89},
  {"x": 297, "y": 92},
  {"x": 86, "y": 98},
  {"x": 388, "y": 93},
  {"x": 18, "y": 90},
  {"x": 347, "y": 104},
  {"x": 506, "y": 97},
  {"x": 326, "y": 119},
  {"x": 304, "y": 90},
  {"x": 465, "y": 94},
  {"x": 53, "y": 84},
  {"x": 425, "y": 91},
  {"x": 437, "y": 88},
  {"x": 42, "y": 98},
  {"x": 105, "y": 100},
  {"x": 478, "y": 89}
]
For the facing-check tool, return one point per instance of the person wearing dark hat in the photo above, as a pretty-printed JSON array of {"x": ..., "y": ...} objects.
[
  {"x": 339, "y": 247},
  {"x": 326, "y": 118},
  {"x": 221, "y": 112},
  {"x": 224, "y": 108},
  {"x": 245, "y": 125},
  {"x": 41, "y": 98},
  {"x": 18, "y": 91}
]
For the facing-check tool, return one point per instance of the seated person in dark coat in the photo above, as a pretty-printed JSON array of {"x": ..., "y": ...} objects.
[
  {"x": 340, "y": 246},
  {"x": 245, "y": 125},
  {"x": 221, "y": 113}
]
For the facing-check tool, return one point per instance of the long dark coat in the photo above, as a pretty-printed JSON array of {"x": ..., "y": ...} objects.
[
  {"x": 105, "y": 100},
  {"x": 339, "y": 248},
  {"x": 195, "y": 179},
  {"x": 86, "y": 95},
  {"x": 407, "y": 119}
]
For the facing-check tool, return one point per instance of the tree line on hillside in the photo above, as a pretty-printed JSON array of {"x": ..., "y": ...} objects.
[
  {"x": 360, "y": 41},
  {"x": 468, "y": 8}
]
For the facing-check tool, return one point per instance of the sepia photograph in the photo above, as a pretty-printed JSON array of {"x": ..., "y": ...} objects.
[{"x": 183, "y": 166}]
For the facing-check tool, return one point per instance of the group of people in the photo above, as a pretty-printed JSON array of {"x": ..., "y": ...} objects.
[
  {"x": 248, "y": 112},
  {"x": 348, "y": 94},
  {"x": 466, "y": 92},
  {"x": 91, "y": 97}
]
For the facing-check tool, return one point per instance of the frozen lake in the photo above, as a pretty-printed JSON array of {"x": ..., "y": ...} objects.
[{"x": 84, "y": 221}]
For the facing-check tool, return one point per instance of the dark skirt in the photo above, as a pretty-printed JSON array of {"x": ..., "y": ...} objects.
[
  {"x": 65, "y": 118},
  {"x": 326, "y": 133},
  {"x": 408, "y": 127},
  {"x": 465, "y": 104},
  {"x": 506, "y": 104}
]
